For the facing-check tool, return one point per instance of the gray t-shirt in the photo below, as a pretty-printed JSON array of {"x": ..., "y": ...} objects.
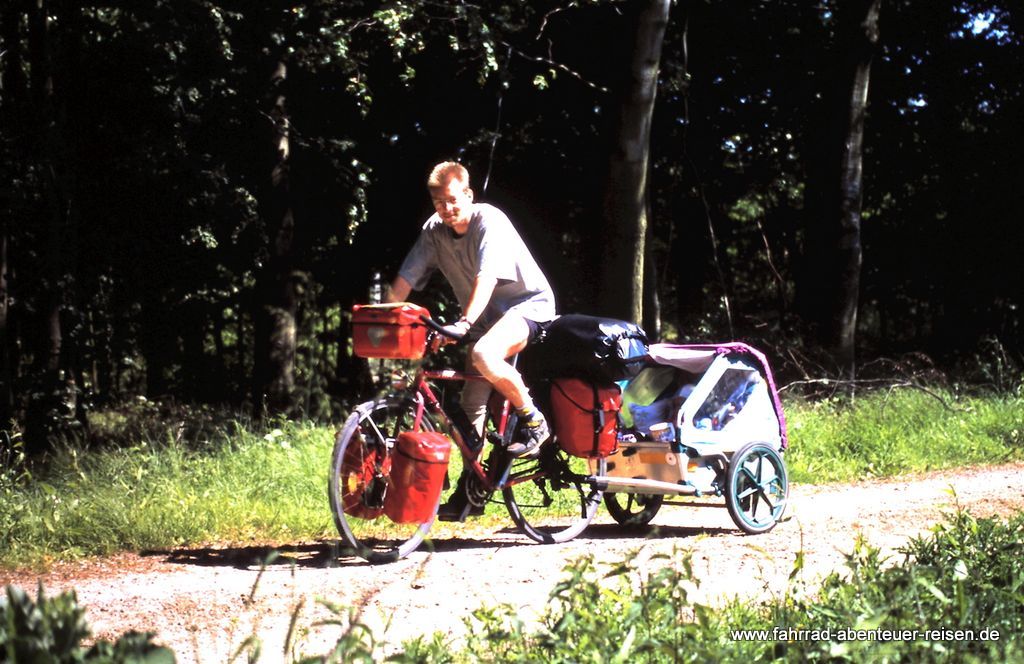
[{"x": 490, "y": 247}]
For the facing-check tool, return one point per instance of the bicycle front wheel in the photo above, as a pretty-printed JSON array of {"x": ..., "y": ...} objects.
[
  {"x": 361, "y": 474},
  {"x": 549, "y": 498}
]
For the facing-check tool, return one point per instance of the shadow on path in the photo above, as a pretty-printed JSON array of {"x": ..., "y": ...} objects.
[{"x": 332, "y": 553}]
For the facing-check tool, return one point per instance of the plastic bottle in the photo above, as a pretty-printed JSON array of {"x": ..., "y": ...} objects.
[{"x": 376, "y": 288}]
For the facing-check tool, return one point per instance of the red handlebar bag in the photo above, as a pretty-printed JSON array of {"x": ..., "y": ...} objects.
[
  {"x": 585, "y": 416},
  {"x": 389, "y": 331},
  {"x": 418, "y": 467}
]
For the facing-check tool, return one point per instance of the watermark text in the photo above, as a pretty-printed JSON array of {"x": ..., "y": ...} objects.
[{"x": 844, "y": 634}]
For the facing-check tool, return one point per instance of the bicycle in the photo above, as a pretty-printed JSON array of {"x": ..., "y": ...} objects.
[{"x": 551, "y": 498}]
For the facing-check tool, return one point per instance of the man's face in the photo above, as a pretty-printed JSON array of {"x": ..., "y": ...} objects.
[{"x": 454, "y": 204}]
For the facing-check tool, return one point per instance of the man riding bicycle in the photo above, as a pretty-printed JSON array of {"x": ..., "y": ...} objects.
[{"x": 504, "y": 296}]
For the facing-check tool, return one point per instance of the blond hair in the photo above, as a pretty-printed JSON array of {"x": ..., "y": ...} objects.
[{"x": 445, "y": 171}]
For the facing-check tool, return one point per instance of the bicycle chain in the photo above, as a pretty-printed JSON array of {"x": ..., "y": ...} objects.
[{"x": 476, "y": 493}]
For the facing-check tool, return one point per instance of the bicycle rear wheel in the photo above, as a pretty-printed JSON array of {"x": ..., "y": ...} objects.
[
  {"x": 360, "y": 475},
  {"x": 549, "y": 498}
]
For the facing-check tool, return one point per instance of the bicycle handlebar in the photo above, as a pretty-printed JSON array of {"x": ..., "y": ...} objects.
[{"x": 440, "y": 329}]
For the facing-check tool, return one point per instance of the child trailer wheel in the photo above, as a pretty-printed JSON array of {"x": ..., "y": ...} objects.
[{"x": 756, "y": 488}]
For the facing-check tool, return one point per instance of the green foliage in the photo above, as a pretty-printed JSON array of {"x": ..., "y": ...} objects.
[
  {"x": 967, "y": 575},
  {"x": 12, "y": 461},
  {"x": 13, "y": 476},
  {"x": 597, "y": 613},
  {"x": 51, "y": 629},
  {"x": 885, "y": 433}
]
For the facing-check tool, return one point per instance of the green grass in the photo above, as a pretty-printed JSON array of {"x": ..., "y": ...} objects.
[
  {"x": 886, "y": 433},
  {"x": 231, "y": 483},
  {"x": 244, "y": 486}
]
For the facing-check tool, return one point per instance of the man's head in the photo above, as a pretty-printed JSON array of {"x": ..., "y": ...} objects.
[{"x": 453, "y": 199}]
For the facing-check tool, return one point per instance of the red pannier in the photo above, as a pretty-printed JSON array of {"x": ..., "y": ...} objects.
[
  {"x": 418, "y": 467},
  {"x": 585, "y": 416},
  {"x": 389, "y": 331}
]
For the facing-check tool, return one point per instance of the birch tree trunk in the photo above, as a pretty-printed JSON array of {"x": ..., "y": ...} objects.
[{"x": 862, "y": 41}]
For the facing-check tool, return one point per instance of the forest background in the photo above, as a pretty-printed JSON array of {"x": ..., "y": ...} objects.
[{"x": 195, "y": 193}]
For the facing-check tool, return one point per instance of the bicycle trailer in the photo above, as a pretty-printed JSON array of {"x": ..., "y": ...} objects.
[{"x": 701, "y": 420}]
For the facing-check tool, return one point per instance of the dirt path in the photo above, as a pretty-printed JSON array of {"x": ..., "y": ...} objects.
[{"x": 205, "y": 602}]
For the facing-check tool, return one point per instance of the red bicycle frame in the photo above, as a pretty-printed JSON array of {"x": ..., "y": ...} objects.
[{"x": 426, "y": 400}]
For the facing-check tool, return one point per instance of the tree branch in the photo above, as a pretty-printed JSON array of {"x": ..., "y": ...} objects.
[{"x": 556, "y": 65}]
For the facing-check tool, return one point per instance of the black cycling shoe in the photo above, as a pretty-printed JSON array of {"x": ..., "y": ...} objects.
[
  {"x": 458, "y": 508},
  {"x": 534, "y": 432}
]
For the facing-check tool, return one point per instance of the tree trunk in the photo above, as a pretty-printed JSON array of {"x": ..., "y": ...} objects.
[
  {"x": 651, "y": 320},
  {"x": 830, "y": 284},
  {"x": 102, "y": 330},
  {"x": 157, "y": 343},
  {"x": 276, "y": 297},
  {"x": 196, "y": 377},
  {"x": 863, "y": 39},
  {"x": 45, "y": 405},
  {"x": 6, "y": 370},
  {"x": 625, "y": 201},
  {"x": 691, "y": 249},
  {"x": 14, "y": 90}
]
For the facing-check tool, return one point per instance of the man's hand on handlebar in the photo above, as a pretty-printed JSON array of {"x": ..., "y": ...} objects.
[
  {"x": 449, "y": 334},
  {"x": 454, "y": 332}
]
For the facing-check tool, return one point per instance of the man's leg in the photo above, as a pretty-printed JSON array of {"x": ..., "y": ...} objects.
[
  {"x": 507, "y": 337},
  {"x": 487, "y": 356},
  {"x": 473, "y": 400},
  {"x": 470, "y": 422}
]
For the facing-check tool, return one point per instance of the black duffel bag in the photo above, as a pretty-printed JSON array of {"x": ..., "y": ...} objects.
[{"x": 599, "y": 350}]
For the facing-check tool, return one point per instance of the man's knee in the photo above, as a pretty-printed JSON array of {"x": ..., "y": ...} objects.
[
  {"x": 507, "y": 337},
  {"x": 483, "y": 359}
]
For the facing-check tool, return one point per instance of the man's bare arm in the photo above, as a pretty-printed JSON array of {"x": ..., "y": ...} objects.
[
  {"x": 483, "y": 288},
  {"x": 399, "y": 290}
]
